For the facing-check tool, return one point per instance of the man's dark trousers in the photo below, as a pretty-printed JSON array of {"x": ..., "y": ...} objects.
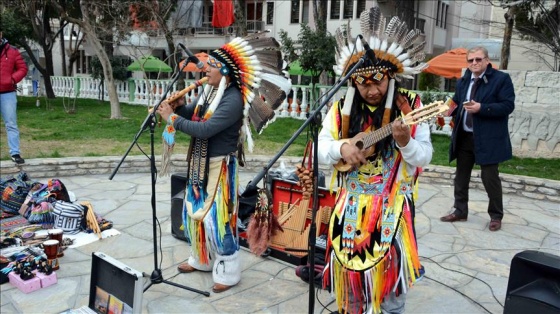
[{"x": 489, "y": 175}]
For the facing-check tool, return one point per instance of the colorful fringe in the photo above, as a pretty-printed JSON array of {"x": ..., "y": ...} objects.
[
  {"x": 361, "y": 275},
  {"x": 207, "y": 234},
  {"x": 168, "y": 139},
  {"x": 355, "y": 289}
]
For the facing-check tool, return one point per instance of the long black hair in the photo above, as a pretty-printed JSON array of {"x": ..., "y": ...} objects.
[{"x": 360, "y": 115}]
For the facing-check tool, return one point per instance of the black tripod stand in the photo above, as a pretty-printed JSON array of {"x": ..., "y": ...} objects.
[
  {"x": 156, "y": 277},
  {"x": 315, "y": 121}
]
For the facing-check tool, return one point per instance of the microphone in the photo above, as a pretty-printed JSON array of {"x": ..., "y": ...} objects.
[
  {"x": 193, "y": 58},
  {"x": 369, "y": 52}
]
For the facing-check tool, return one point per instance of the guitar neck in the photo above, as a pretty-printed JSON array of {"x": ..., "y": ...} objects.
[{"x": 377, "y": 135}]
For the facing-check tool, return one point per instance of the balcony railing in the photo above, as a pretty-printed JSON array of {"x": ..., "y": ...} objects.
[{"x": 253, "y": 26}]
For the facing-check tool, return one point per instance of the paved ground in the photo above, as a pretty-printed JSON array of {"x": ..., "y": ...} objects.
[{"x": 467, "y": 266}]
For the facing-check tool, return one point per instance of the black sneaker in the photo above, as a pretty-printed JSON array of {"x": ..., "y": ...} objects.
[{"x": 17, "y": 159}]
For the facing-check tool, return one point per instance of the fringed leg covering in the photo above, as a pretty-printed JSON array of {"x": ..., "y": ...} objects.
[
  {"x": 194, "y": 262},
  {"x": 227, "y": 269}
]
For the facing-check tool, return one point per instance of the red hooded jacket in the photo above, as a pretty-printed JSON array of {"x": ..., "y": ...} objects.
[{"x": 12, "y": 67}]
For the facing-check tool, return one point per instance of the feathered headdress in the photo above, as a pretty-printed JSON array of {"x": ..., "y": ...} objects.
[
  {"x": 398, "y": 54},
  {"x": 396, "y": 48},
  {"x": 254, "y": 64}
]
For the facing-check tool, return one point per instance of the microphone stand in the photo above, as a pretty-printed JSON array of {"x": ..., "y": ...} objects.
[
  {"x": 315, "y": 121},
  {"x": 150, "y": 121}
]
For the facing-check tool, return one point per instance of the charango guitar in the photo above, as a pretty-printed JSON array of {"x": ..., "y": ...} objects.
[{"x": 366, "y": 141}]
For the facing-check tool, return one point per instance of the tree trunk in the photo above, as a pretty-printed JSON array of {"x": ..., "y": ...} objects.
[
  {"x": 175, "y": 57},
  {"x": 320, "y": 9},
  {"x": 557, "y": 52},
  {"x": 240, "y": 18},
  {"x": 509, "y": 17},
  {"x": 44, "y": 72},
  {"x": 50, "y": 71},
  {"x": 63, "y": 48},
  {"x": 99, "y": 50}
]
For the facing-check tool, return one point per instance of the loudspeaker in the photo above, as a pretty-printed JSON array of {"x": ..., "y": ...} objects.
[
  {"x": 534, "y": 283},
  {"x": 178, "y": 184}
]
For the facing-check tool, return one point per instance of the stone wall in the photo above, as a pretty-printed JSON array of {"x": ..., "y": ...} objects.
[
  {"x": 532, "y": 188},
  {"x": 535, "y": 124}
]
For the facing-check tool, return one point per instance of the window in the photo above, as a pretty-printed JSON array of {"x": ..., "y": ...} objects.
[
  {"x": 441, "y": 16},
  {"x": 419, "y": 24},
  {"x": 210, "y": 13},
  {"x": 294, "y": 18},
  {"x": 444, "y": 17},
  {"x": 305, "y": 12},
  {"x": 360, "y": 7},
  {"x": 348, "y": 9},
  {"x": 269, "y": 13},
  {"x": 83, "y": 63},
  {"x": 335, "y": 10},
  {"x": 437, "y": 14}
]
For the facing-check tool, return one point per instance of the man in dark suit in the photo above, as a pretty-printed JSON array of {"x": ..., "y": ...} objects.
[{"x": 485, "y": 98}]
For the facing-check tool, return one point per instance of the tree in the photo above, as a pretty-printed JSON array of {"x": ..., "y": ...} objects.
[
  {"x": 539, "y": 21},
  {"x": 240, "y": 18},
  {"x": 31, "y": 21},
  {"x": 428, "y": 81},
  {"x": 97, "y": 23},
  {"x": 535, "y": 20},
  {"x": 314, "y": 49}
]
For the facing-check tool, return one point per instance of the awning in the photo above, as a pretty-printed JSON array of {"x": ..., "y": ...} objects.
[
  {"x": 449, "y": 64},
  {"x": 149, "y": 64}
]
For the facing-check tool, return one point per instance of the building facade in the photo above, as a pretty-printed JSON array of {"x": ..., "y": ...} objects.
[{"x": 445, "y": 24}]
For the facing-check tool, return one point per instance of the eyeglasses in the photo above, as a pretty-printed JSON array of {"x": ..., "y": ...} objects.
[{"x": 478, "y": 60}]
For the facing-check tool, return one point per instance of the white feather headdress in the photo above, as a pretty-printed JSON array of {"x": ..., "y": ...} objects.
[{"x": 396, "y": 49}]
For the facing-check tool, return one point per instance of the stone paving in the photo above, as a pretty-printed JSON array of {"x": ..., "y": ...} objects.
[{"x": 467, "y": 266}]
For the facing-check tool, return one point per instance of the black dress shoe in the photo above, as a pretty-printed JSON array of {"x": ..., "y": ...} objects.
[
  {"x": 495, "y": 225},
  {"x": 453, "y": 217}
]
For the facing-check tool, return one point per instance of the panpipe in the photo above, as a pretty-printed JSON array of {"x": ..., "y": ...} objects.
[
  {"x": 91, "y": 220},
  {"x": 294, "y": 220}
]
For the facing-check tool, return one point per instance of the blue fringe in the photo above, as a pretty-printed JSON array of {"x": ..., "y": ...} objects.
[{"x": 197, "y": 202}]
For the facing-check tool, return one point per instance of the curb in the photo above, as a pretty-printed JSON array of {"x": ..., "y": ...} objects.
[{"x": 529, "y": 187}]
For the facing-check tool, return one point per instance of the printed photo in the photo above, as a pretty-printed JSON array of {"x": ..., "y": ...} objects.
[
  {"x": 101, "y": 301},
  {"x": 115, "y": 305}
]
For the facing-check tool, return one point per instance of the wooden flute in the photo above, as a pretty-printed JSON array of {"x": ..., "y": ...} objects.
[{"x": 187, "y": 89}]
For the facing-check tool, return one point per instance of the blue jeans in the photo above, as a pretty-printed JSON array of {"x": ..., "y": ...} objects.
[
  {"x": 230, "y": 244},
  {"x": 8, "y": 106}
]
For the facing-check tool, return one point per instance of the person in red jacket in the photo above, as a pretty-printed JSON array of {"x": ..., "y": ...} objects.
[{"x": 12, "y": 70}]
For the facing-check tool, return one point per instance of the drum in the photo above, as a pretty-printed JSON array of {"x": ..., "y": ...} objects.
[
  {"x": 51, "y": 250},
  {"x": 56, "y": 234}
]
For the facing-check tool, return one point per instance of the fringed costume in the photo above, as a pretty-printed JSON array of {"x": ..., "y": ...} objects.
[
  {"x": 219, "y": 126},
  {"x": 372, "y": 253}
]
